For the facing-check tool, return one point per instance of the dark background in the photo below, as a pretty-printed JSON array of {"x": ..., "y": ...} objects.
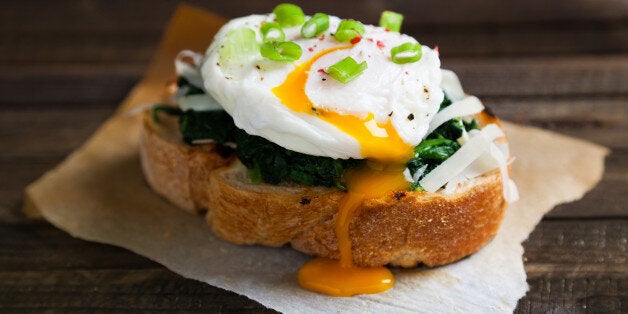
[{"x": 66, "y": 65}]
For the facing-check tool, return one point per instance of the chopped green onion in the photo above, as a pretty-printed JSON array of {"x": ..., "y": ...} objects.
[
  {"x": 284, "y": 51},
  {"x": 348, "y": 30},
  {"x": 316, "y": 25},
  {"x": 272, "y": 32},
  {"x": 239, "y": 43},
  {"x": 346, "y": 70},
  {"x": 391, "y": 21},
  {"x": 406, "y": 53},
  {"x": 289, "y": 15}
]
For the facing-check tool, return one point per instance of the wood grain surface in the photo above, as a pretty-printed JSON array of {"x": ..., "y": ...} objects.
[{"x": 66, "y": 65}]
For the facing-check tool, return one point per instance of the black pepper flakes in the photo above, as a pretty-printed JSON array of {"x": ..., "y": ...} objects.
[
  {"x": 400, "y": 195},
  {"x": 324, "y": 79},
  {"x": 390, "y": 114},
  {"x": 257, "y": 66},
  {"x": 411, "y": 117},
  {"x": 305, "y": 201}
]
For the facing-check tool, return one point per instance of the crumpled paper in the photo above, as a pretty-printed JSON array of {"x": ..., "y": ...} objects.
[{"x": 98, "y": 194}]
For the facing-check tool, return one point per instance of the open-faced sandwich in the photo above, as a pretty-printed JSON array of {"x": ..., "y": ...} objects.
[{"x": 346, "y": 141}]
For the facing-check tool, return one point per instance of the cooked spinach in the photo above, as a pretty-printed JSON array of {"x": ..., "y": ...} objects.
[
  {"x": 430, "y": 152},
  {"x": 272, "y": 163},
  {"x": 266, "y": 161},
  {"x": 215, "y": 124}
]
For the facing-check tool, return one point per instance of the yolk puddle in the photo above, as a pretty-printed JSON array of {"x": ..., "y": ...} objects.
[{"x": 375, "y": 179}]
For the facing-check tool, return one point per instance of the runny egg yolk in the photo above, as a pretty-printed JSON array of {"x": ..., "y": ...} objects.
[
  {"x": 386, "y": 149},
  {"x": 381, "y": 175}
]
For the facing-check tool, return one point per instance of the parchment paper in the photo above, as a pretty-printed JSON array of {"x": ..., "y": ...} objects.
[{"x": 98, "y": 193}]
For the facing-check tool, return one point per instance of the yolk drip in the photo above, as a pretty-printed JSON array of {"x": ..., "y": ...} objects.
[
  {"x": 375, "y": 179},
  {"x": 342, "y": 278}
]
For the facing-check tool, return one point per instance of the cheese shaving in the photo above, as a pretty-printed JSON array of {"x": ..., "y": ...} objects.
[
  {"x": 470, "y": 105},
  {"x": 479, "y": 155},
  {"x": 191, "y": 72}
]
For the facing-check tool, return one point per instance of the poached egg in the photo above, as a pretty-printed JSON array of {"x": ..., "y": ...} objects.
[{"x": 381, "y": 115}]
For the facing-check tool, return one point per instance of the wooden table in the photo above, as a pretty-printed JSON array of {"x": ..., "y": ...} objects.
[{"x": 65, "y": 65}]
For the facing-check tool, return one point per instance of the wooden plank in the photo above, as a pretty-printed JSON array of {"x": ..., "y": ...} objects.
[
  {"x": 574, "y": 244},
  {"x": 36, "y": 246},
  {"x": 538, "y": 39},
  {"x": 70, "y": 83},
  {"x": 558, "y": 76},
  {"x": 49, "y": 131},
  {"x": 144, "y": 14},
  {"x": 77, "y": 45},
  {"x": 603, "y": 120},
  {"x": 602, "y": 293},
  {"x": 608, "y": 198},
  {"x": 114, "y": 290}
]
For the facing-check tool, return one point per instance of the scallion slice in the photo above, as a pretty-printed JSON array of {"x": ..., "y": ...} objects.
[
  {"x": 349, "y": 29},
  {"x": 346, "y": 70},
  {"x": 239, "y": 43},
  {"x": 391, "y": 21},
  {"x": 316, "y": 25},
  {"x": 406, "y": 53},
  {"x": 289, "y": 15},
  {"x": 272, "y": 32},
  {"x": 284, "y": 51}
]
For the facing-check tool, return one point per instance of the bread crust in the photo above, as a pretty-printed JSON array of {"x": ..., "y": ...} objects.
[
  {"x": 178, "y": 172},
  {"x": 404, "y": 228}
]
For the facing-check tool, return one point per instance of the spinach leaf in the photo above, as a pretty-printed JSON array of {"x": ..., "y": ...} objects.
[
  {"x": 215, "y": 124},
  {"x": 272, "y": 163},
  {"x": 431, "y": 152},
  {"x": 451, "y": 129}
]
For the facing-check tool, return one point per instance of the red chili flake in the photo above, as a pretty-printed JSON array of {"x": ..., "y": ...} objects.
[
  {"x": 370, "y": 39},
  {"x": 321, "y": 70},
  {"x": 322, "y": 37},
  {"x": 436, "y": 49},
  {"x": 386, "y": 29},
  {"x": 261, "y": 78},
  {"x": 380, "y": 44},
  {"x": 407, "y": 73},
  {"x": 356, "y": 40},
  {"x": 310, "y": 49}
]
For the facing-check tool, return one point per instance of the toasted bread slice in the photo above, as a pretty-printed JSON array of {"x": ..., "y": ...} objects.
[
  {"x": 177, "y": 171},
  {"x": 404, "y": 228}
]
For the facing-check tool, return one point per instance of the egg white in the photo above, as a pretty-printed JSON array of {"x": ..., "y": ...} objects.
[{"x": 407, "y": 94}]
